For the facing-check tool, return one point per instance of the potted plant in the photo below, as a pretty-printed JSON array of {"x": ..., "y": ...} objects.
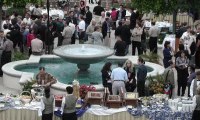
[{"x": 156, "y": 85}]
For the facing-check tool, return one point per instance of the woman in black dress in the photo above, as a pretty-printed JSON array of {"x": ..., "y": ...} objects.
[
  {"x": 82, "y": 7},
  {"x": 106, "y": 72},
  {"x": 130, "y": 69}
]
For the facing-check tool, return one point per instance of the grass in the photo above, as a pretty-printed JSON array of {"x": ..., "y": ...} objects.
[{"x": 19, "y": 56}]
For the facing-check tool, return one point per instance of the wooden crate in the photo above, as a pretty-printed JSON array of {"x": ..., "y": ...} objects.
[
  {"x": 94, "y": 98},
  {"x": 114, "y": 101},
  {"x": 131, "y": 98}
]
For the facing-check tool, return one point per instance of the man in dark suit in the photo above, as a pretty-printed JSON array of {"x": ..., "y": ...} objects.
[
  {"x": 71, "y": 18},
  {"x": 106, "y": 32},
  {"x": 98, "y": 9},
  {"x": 88, "y": 19},
  {"x": 141, "y": 77},
  {"x": 121, "y": 13},
  {"x": 132, "y": 19},
  {"x": 126, "y": 35}
]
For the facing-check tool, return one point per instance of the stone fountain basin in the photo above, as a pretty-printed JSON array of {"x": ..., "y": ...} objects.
[
  {"x": 83, "y": 53},
  {"x": 13, "y": 78}
]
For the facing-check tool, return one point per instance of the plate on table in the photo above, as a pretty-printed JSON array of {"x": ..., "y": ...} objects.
[
  {"x": 187, "y": 101},
  {"x": 2, "y": 105},
  {"x": 184, "y": 98}
]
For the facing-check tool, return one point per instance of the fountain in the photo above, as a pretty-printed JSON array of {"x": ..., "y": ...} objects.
[
  {"x": 83, "y": 55},
  {"x": 64, "y": 69}
]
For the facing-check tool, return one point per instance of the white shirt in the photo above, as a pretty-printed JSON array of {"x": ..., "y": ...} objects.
[
  {"x": 119, "y": 74},
  {"x": 27, "y": 21},
  {"x": 191, "y": 87},
  {"x": 6, "y": 31},
  {"x": 81, "y": 25},
  {"x": 36, "y": 45},
  {"x": 188, "y": 43},
  {"x": 185, "y": 37},
  {"x": 154, "y": 31}
]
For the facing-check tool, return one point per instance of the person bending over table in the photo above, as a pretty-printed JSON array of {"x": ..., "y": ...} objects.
[{"x": 45, "y": 79}]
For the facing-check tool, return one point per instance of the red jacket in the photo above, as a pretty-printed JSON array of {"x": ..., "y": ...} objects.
[{"x": 30, "y": 37}]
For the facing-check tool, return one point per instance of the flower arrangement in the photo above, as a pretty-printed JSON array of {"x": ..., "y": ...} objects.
[
  {"x": 28, "y": 85},
  {"x": 84, "y": 89},
  {"x": 156, "y": 84}
]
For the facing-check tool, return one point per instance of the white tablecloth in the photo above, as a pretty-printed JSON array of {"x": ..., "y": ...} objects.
[
  {"x": 105, "y": 111},
  {"x": 27, "y": 114}
]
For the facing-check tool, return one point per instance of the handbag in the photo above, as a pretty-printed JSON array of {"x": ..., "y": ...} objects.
[{"x": 167, "y": 86}]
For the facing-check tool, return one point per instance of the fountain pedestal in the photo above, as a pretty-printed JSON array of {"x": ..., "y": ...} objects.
[{"x": 83, "y": 67}]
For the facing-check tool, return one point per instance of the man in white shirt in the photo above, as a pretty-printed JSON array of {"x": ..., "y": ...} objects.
[
  {"x": 27, "y": 19},
  {"x": 37, "y": 46},
  {"x": 118, "y": 77},
  {"x": 186, "y": 37},
  {"x": 153, "y": 33},
  {"x": 81, "y": 27}
]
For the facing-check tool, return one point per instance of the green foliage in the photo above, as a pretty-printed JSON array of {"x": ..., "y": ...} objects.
[
  {"x": 151, "y": 57},
  {"x": 28, "y": 86},
  {"x": 164, "y": 6},
  {"x": 21, "y": 3},
  {"x": 19, "y": 56},
  {"x": 20, "y": 11}
]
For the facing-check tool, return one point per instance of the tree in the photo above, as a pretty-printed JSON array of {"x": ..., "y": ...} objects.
[
  {"x": 21, "y": 3},
  {"x": 167, "y": 7}
]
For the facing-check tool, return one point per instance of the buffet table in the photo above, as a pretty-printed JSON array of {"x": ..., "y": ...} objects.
[
  {"x": 27, "y": 114},
  {"x": 156, "y": 107}
]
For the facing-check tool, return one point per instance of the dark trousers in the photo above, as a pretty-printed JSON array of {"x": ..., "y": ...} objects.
[
  {"x": 69, "y": 116},
  {"x": 182, "y": 80},
  {"x": 153, "y": 44},
  {"x": 73, "y": 39},
  {"x": 109, "y": 85},
  {"x": 197, "y": 58},
  {"x": 130, "y": 87},
  {"x": 47, "y": 116},
  {"x": 188, "y": 85},
  {"x": 81, "y": 36},
  {"x": 196, "y": 115},
  {"x": 137, "y": 45},
  {"x": 141, "y": 88},
  {"x": 60, "y": 38},
  {"x": 5, "y": 58}
]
